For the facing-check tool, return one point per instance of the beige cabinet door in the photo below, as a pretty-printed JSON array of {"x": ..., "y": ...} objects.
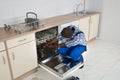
[
  {"x": 4, "y": 67},
  {"x": 84, "y": 26},
  {"x": 23, "y": 58},
  {"x": 94, "y": 22},
  {"x": 2, "y": 46}
]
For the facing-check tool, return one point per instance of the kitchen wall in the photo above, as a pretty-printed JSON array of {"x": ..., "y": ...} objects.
[
  {"x": 109, "y": 29},
  {"x": 13, "y": 11}
]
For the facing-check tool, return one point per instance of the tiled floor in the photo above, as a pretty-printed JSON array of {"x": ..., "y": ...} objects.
[{"x": 102, "y": 62}]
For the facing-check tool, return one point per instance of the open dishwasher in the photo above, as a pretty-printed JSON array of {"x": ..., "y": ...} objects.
[{"x": 49, "y": 59}]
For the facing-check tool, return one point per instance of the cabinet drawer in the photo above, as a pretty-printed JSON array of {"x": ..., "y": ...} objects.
[
  {"x": 2, "y": 46},
  {"x": 20, "y": 40}
]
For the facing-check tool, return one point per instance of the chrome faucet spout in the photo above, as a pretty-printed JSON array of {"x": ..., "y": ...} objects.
[
  {"x": 80, "y": 9},
  {"x": 84, "y": 9},
  {"x": 77, "y": 11}
]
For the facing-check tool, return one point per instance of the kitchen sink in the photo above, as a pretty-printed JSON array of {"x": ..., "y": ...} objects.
[{"x": 81, "y": 13}]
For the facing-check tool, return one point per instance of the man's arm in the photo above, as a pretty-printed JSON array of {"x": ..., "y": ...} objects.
[
  {"x": 60, "y": 45},
  {"x": 52, "y": 41},
  {"x": 56, "y": 45}
]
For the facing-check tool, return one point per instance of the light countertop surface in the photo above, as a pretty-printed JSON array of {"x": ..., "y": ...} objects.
[{"x": 47, "y": 23}]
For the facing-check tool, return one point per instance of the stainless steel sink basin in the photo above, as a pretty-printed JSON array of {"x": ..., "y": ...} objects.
[{"x": 80, "y": 13}]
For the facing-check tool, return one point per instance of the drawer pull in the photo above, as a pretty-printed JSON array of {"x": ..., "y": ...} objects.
[
  {"x": 13, "y": 55},
  {"x": 3, "y": 59},
  {"x": 21, "y": 40}
]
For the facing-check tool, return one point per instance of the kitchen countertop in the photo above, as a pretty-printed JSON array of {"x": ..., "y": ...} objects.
[{"x": 47, "y": 23}]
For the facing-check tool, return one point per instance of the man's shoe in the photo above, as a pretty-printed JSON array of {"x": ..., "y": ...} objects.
[
  {"x": 81, "y": 67},
  {"x": 73, "y": 78}
]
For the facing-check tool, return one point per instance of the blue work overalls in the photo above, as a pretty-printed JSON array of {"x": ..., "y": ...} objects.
[{"x": 74, "y": 52}]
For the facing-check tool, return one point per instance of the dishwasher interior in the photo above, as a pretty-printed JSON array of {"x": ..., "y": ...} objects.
[{"x": 49, "y": 58}]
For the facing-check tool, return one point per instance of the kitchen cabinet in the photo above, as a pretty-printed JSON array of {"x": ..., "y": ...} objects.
[
  {"x": 4, "y": 66},
  {"x": 84, "y": 26},
  {"x": 89, "y": 25},
  {"x": 22, "y": 54},
  {"x": 2, "y": 46},
  {"x": 93, "y": 27}
]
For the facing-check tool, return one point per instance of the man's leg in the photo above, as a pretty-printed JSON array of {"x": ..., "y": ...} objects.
[
  {"x": 73, "y": 63},
  {"x": 66, "y": 60},
  {"x": 76, "y": 52},
  {"x": 76, "y": 55},
  {"x": 64, "y": 52}
]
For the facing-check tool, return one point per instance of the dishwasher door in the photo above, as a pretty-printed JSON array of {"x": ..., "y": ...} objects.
[
  {"x": 49, "y": 59},
  {"x": 55, "y": 66}
]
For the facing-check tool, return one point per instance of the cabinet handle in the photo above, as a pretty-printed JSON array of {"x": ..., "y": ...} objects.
[
  {"x": 90, "y": 21},
  {"x": 13, "y": 55},
  {"x": 21, "y": 40},
  {"x": 3, "y": 59}
]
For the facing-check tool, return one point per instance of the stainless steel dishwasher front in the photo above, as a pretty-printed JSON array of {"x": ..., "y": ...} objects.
[{"x": 55, "y": 66}]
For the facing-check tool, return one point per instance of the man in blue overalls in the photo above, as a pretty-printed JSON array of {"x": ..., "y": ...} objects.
[{"x": 73, "y": 44}]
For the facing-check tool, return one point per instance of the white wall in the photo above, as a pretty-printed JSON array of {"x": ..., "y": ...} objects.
[
  {"x": 110, "y": 19},
  {"x": 12, "y": 10}
]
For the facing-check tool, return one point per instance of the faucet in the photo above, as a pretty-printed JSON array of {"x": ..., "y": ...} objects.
[
  {"x": 83, "y": 12},
  {"x": 76, "y": 10}
]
